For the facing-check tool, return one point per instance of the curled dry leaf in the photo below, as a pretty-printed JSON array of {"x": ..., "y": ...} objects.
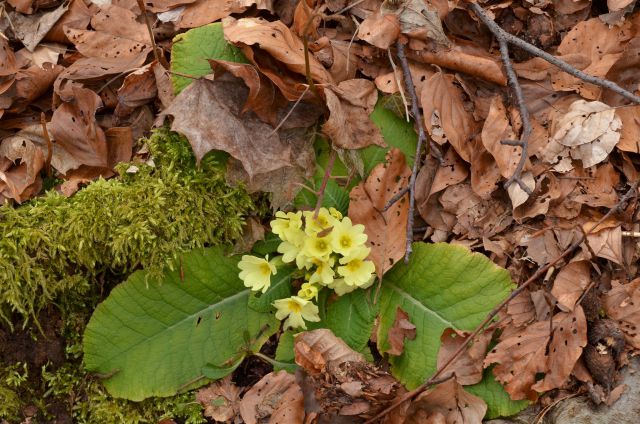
[
  {"x": 570, "y": 283},
  {"x": 221, "y": 400},
  {"x": 497, "y": 128},
  {"x": 439, "y": 95},
  {"x": 523, "y": 354},
  {"x": 202, "y": 12},
  {"x": 607, "y": 244},
  {"x": 350, "y": 104},
  {"x": 74, "y": 128},
  {"x": 20, "y": 165},
  {"x": 385, "y": 230},
  {"x": 31, "y": 29},
  {"x": 468, "y": 367},
  {"x": 418, "y": 19},
  {"x": 448, "y": 403},
  {"x": 276, "y": 398},
  {"x": 401, "y": 329},
  {"x": 380, "y": 29},
  {"x": 622, "y": 303},
  {"x": 588, "y": 131},
  {"x": 342, "y": 381}
]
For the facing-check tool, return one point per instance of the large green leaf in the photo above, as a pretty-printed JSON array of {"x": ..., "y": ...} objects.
[
  {"x": 153, "y": 339},
  {"x": 279, "y": 289},
  {"x": 396, "y": 131},
  {"x": 191, "y": 50},
  {"x": 351, "y": 317},
  {"x": 443, "y": 286},
  {"x": 499, "y": 404}
]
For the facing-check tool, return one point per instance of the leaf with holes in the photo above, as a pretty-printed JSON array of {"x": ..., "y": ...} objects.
[{"x": 153, "y": 338}]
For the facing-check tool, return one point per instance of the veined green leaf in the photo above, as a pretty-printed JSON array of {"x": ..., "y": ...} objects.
[{"x": 156, "y": 338}]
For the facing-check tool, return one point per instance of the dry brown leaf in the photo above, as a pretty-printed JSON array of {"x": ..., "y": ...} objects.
[
  {"x": 221, "y": 400},
  {"x": 522, "y": 355},
  {"x": 496, "y": 129},
  {"x": 468, "y": 367},
  {"x": 350, "y": 104},
  {"x": 8, "y": 64},
  {"x": 452, "y": 171},
  {"x": 570, "y": 283},
  {"x": 77, "y": 16},
  {"x": 31, "y": 29},
  {"x": 138, "y": 88},
  {"x": 116, "y": 34},
  {"x": 521, "y": 309},
  {"x": 246, "y": 138},
  {"x": 314, "y": 350},
  {"x": 202, "y": 12},
  {"x": 385, "y": 230},
  {"x": 401, "y": 329},
  {"x": 165, "y": 5},
  {"x": 448, "y": 403},
  {"x": 32, "y": 83},
  {"x": 419, "y": 20},
  {"x": 20, "y": 165},
  {"x": 380, "y": 30},
  {"x": 74, "y": 128},
  {"x": 588, "y": 131},
  {"x": 277, "y": 40},
  {"x": 439, "y": 95},
  {"x": 277, "y": 397},
  {"x": 607, "y": 244},
  {"x": 622, "y": 303}
]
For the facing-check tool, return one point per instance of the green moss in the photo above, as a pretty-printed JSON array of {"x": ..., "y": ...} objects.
[{"x": 55, "y": 245}]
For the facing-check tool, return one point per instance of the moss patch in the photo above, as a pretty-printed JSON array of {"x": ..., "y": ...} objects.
[{"x": 56, "y": 245}]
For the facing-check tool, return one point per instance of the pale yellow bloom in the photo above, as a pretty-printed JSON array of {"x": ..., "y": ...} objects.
[
  {"x": 308, "y": 291},
  {"x": 340, "y": 287},
  {"x": 317, "y": 247},
  {"x": 286, "y": 225},
  {"x": 323, "y": 274},
  {"x": 256, "y": 272},
  {"x": 296, "y": 310},
  {"x": 347, "y": 237},
  {"x": 323, "y": 222},
  {"x": 356, "y": 270},
  {"x": 335, "y": 213}
]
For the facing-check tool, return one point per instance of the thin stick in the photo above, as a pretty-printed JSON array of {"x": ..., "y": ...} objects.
[
  {"x": 305, "y": 43},
  {"x": 45, "y": 134},
  {"x": 564, "y": 66},
  {"x": 325, "y": 179},
  {"x": 539, "y": 273},
  {"x": 399, "y": 84},
  {"x": 306, "y": 89},
  {"x": 143, "y": 9}
]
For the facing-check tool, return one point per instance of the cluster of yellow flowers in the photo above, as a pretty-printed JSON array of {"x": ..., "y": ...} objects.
[{"x": 328, "y": 248}]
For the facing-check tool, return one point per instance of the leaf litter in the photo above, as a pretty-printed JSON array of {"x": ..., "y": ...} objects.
[{"x": 90, "y": 69}]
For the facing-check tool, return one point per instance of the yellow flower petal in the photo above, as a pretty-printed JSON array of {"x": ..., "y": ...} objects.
[
  {"x": 296, "y": 310},
  {"x": 256, "y": 272}
]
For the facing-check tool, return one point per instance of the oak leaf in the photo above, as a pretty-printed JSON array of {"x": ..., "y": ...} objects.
[{"x": 385, "y": 229}]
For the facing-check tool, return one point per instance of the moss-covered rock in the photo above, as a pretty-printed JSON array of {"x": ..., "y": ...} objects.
[{"x": 56, "y": 245}]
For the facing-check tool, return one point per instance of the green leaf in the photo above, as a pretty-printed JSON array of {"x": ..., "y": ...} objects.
[
  {"x": 279, "y": 289},
  {"x": 334, "y": 196},
  {"x": 285, "y": 357},
  {"x": 267, "y": 246},
  {"x": 157, "y": 337},
  {"x": 191, "y": 50},
  {"x": 499, "y": 404},
  {"x": 396, "y": 131},
  {"x": 351, "y": 317},
  {"x": 443, "y": 286}
]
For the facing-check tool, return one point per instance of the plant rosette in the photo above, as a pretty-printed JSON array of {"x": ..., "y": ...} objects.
[{"x": 328, "y": 250}]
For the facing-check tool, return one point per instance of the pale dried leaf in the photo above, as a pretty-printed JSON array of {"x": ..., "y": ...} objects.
[
  {"x": 20, "y": 165},
  {"x": 380, "y": 30},
  {"x": 385, "y": 230},
  {"x": 314, "y": 350},
  {"x": 448, "y": 403},
  {"x": 468, "y": 367},
  {"x": 276, "y": 397},
  {"x": 221, "y": 400},
  {"x": 622, "y": 303},
  {"x": 202, "y": 12},
  {"x": 607, "y": 244},
  {"x": 570, "y": 283},
  {"x": 517, "y": 195},
  {"x": 497, "y": 128},
  {"x": 31, "y": 29}
]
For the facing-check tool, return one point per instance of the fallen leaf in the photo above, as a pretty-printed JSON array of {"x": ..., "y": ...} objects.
[
  {"x": 74, "y": 128},
  {"x": 77, "y": 15},
  {"x": 588, "y": 131},
  {"x": 497, "y": 128},
  {"x": 116, "y": 34},
  {"x": 419, "y": 20},
  {"x": 468, "y": 367},
  {"x": 447, "y": 403},
  {"x": 314, "y": 350},
  {"x": 20, "y": 165},
  {"x": 439, "y": 95},
  {"x": 202, "y": 12},
  {"x": 350, "y": 105},
  {"x": 246, "y": 138},
  {"x": 380, "y": 30},
  {"x": 386, "y": 231},
  {"x": 402, "y": 328},
  {"x": 522, "y": 355},
  {"x": 517, "y": 195},
  {"x": 8, "y": 64},
  {"x": 138, "y": 88},
  {"x": 521, "y": 309},
  {"x": 570, "y": 284},
  {"x": 31, "y": 29},
  {"x": 622, "y": 303},
  {"x": 277, "y": 397},
  {"x": 221, "y": 400},
  {"x": 607, "y": 244},
  {"x": 452, "y": 171}
]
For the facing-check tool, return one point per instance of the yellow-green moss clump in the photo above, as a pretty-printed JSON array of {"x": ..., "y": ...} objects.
[{"x": 54, "y": 245}]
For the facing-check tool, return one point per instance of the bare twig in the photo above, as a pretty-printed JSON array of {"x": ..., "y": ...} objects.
[
  {"x": 325, "y": 179},
  {"x": 539, "y": 273},
  {"x": 156, "y": 54},
  {"x": 306, "y": 89},
  {"x": 399, "y": 83},
  {"x": 562, "y": 65}
]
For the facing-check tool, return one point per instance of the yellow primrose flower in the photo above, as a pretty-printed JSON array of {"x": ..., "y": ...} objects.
[
  {"x": 335, "y": 213},
  {"x": 286, "y": 225},
  {"x": 323, "y": 274},
  {"x": 296, "y": 310},
  {"x": 308, "y": 291},
  {"x": 317, "y": 247},
  {"x": 293, "y": 252},
  {"x": 347, "y": 237},
  {"x": 323, "y": 222},
  {"x": 256, "y": 272},
  {"x": 356, "y": 270},
  {"x": 340, "y": 287}
]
